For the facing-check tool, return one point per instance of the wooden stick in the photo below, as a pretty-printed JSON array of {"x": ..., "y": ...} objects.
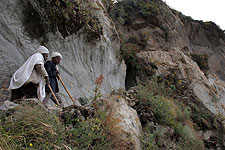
[
  {"x": 66, "y": 89},
  {"x": 53, "y": 94}
]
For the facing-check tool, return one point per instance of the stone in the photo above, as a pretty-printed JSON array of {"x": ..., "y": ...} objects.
[
  {"x": 206, "y": 135},
  {"x": 122, "y": 121},
  {"x": 200, "y": 133},
  {"x": 7, "y": 105}
]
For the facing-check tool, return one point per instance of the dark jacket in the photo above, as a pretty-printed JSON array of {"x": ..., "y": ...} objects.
[{"x": 52, "y": 73}]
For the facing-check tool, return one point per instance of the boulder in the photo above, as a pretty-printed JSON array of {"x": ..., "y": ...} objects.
[
  {"x": 122, "y": 122},
  {"x": 7, "y": 105}
]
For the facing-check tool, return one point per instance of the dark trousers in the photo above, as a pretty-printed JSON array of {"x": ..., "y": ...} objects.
[{"x": 28, "y": 91}]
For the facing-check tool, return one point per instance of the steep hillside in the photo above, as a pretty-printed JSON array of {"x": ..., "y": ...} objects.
[
  {"x": 157, "y": 39},
  {"x": 163, "y": 84},
  {"x": 172, "y": 57}
]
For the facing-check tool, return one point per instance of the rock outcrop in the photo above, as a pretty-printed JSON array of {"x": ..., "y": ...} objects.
[
  {"x": 174, "y": 43},
  {"x": 122, "y": 122}
]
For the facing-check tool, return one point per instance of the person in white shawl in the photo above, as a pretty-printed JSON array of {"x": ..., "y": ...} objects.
[{"x": 29, "y": 80}]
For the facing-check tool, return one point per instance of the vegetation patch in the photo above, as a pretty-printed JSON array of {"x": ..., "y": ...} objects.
[
  {"x": 202, "y": 61},
  {"x": 172, "y": 84},
  {"x": 170, "y": 115},
  {"x": 172, "y": 120},
  {"x": 66, "y": 16},
  {"x": 83, "y": 100},
  {"x": 137, "y": 67},
  {"x": 30, "y": 126},
  {"x": 124, "y": 10},
  {"x": 88, "y": 134}
]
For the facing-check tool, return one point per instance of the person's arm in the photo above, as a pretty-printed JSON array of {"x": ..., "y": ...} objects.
[{"x": 41, "y": 69}]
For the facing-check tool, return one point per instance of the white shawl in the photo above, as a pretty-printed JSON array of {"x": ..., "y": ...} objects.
[{"x": 24, "y": 72}]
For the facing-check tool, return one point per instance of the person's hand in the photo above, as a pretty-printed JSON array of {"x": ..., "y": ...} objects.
[
  {"x": 57, "y": 71},
  {"x": 47, "y": 80}
]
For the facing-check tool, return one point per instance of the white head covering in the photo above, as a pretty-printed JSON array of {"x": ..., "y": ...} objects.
[
  {"x": 42, "y": 50},
  {"x": 55, "y": 54}
]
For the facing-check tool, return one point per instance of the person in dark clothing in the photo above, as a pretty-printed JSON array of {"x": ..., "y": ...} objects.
[{"x": 52, "y": 70}]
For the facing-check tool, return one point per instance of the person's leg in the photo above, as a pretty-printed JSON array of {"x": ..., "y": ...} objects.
[
  {"x": 30, "y": 90},
  {"x": 47, "y": 97},
  {"x": 60, "y": 100},
  {"x": 16, "y": 94}
]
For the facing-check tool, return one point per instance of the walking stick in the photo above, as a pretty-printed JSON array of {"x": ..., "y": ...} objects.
[
  {"x": 53, "y": 94},
  {"x": 66, "y": 89}
]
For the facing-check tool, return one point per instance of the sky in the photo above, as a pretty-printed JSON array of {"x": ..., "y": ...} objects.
[{"x": 205, "y": 10}]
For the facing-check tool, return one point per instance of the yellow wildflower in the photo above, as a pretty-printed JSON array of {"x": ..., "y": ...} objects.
[
  {"x": 31, "y": 144},
  {"x": 179, "y": 81}
]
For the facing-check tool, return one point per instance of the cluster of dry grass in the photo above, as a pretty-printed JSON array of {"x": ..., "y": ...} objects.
[{"x": 30, "y": 126}]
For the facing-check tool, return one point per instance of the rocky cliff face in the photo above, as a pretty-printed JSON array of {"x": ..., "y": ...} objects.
[
  {"x": 27, "y": 24},
  {"x": 174, "y": 44}
]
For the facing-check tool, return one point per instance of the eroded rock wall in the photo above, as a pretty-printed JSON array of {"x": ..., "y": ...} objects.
[
  {"x": 170, "y": 41},
  {"x": 82, "y": 61}
]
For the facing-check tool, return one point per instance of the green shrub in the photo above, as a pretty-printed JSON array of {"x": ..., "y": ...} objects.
[
  {"x": 187, "y": 113},
  {"x": 153, "y": 86},
  {"x": 147, "y": 8},
  {"x": 66, "y": 16},
  {"x": 129, "y": 51},
  {"x": 201, "y": 60},
  {"x": 88, "y": 134},
  {"x": 189, "y": 136},
  {"x": 185, "y": 132},
  {"x": 162, "y": 107},
  {"x": 83, "y": 100},
  {"x": 183, "y": 113},
  {"x": 153, "y": 138},
  {"x": 124, "y": 11},
  {"x": 203, "y": 118},
  {"x": 163, "y": 110},
  {"x": 167, "y": 112}
]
